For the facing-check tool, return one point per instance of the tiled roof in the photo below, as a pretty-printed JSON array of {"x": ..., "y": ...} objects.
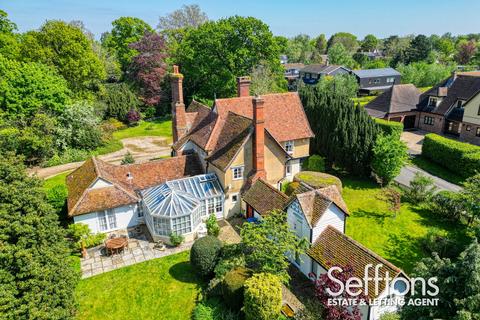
[
  {"x": 314, "y": 203},
  {"x": 333, "y": 248},
  {"x": 463, "y": 87},
  {"x": 264, "y": 198},
  {"x": 398, "y": 98},
  {"x": 124, "y": 180},
  {"x": 321, "y": 68},
  {"x": 232, "y": 136}
]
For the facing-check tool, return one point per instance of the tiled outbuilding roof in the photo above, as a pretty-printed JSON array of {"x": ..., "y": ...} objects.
[
  {"x": 333, "y": 248},
  {"x": 122, "y": 182},
  {"x": 398, "y": 98},
  {"x": 264, "y": 198}
]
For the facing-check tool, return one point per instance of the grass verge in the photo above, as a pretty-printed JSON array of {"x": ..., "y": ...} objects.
[{"x": 437, "y": 170}]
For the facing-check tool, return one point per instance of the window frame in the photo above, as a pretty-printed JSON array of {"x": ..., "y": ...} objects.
[
  {"x": 428, "y": 120},
  {"x": 468, "y": 127},
  {"x": 107, "y": 220},
  {"x": 288, "y": 169},
  {"x": 238, "y": 176},
  {"x": 477, "y": 133},
  {"x": 289, "y": 146},
  {"x": 235, "y": 198},
  {"x": 430, "y": 99}
]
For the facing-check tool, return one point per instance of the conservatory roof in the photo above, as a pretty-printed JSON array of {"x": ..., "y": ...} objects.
[{"x": 180, "y": 197}]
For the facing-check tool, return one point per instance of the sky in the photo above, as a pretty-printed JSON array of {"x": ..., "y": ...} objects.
[{"x": 288, "y": 18}]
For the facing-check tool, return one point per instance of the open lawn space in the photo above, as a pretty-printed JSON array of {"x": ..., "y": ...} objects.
[
  {"x": 165, "y": 288},
  {"x": 395, "y": 238},
  {"x": 58, "y": 180}
]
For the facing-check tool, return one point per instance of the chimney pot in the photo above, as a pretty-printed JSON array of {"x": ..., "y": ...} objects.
[{"x": 243, "y": 86}]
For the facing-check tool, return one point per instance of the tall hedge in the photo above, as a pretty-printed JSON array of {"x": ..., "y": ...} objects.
[
  {"x": 262, "y": 297},
  {"x": 204, "y": 255},
  {"x": 390, "y": 127},
  {"x": 461, "y": 158}
]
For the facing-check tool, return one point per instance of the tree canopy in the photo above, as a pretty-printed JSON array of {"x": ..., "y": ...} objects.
[
  {"x": 348, "y": 40},
  {"x": 187, "y": 16}
]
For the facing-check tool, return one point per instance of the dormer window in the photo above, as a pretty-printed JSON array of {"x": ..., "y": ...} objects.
[
  {"x": 460, "y": 103},
  {"x": 432, "y": 101},
  {"x": 289, "y": 147}
]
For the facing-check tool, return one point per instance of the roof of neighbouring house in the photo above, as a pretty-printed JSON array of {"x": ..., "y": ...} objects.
[
  {"x": 284, "y": 116},
  {"x": 264, "y": 198},
  {"x": 398, "y": 98},
  {"x": 288, "y": 66},
  {"x": 315, "y": 202},
  {"x": 322, "y": 68},
  {"x": 181, "y": 196},
  {"x": 122, "y": 182},
  {"x": 333, "y": 248},
  {"x": 382, "y": 72}
]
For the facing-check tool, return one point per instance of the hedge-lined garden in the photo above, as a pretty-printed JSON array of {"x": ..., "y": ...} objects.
[
  {"x": 390, "y": 127},
  {"x": 462, "y": 158}
]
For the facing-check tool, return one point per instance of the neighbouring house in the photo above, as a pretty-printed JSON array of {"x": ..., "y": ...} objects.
[
  {"x": 170, "y": 194},
  {"x": 372, "y": 80},
  {"x": 319, "y": 216},
  {"x": 398, "y": 103},
  {"x": 292, "y": 73},
  {"x": 243, "y": 138},
  {"x": 452, "y": 107},
  {"x": 312, "y": 73}
]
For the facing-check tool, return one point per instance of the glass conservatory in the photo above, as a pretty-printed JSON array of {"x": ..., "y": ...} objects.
[{"x": 179, "y": 206}]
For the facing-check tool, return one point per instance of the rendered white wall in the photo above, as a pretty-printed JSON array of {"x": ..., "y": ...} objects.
[
  {"x": 334, "y": 217},
  {"x": 126, "y": 218}
]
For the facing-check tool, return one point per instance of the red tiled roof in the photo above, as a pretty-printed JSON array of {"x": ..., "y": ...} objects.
[
  {"x": 264, "y": 198},
  {"x": 82, "y": 199}
]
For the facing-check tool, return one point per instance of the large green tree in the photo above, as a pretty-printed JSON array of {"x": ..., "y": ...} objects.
[
  {"x": 29, "y": 88},
  {"x": 67, "y": 48},
  {"x": 389, "y": 156},
  {"x": 419, "y": 49},
  {"x": 348, "y": 40},
  {"x": 340, "y": 128},
  {"x": 8, "y": 39},
  {"x": 369, "y": 43},
  {"x": 301, "y": 49},
  {"x": 37, "y": 280},
  {"x": 125, "y": 31},
  {"x": 337, "y": 54},
  {"x": 214, "y": 54}
]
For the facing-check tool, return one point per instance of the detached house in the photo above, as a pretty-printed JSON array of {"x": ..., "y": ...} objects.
[
  {"x": 243, "y": 138},
  {"x": 319, "y": 216},
  {"x": 312, "y": 73}
]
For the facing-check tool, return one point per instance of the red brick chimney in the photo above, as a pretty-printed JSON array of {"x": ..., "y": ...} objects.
[
  {"x": 179, "y": 122},
  {"x": 259, "y": 138},
  {"x": 243, "y": 86}
]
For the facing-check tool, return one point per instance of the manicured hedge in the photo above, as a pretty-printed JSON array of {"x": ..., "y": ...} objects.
[
  {"x": 318, "y": 179},
  {"x": 233, "y": 287},
  {"x": 390, "y": 127},
  {"x": 204, "y": 255},
  {"x": 459, "y": 157}
]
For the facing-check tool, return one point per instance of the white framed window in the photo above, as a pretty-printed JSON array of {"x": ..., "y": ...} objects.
[
  {"x": 432, "y": 101},
  {"x": 288, "y": 169},
  {"x": 478, "y": 132},
  {"x": 468, "y": 128},
  {"x": 218, "y": 204},
  {"x": 210, "y": 206},
  {"x": 390, "y": 80},
  {"x": 107, "y": 220},
  {"x": 428, "y": 120},
  {"x": 289, "y": 146},
  {"x": 237, "y": 173},
  {"x": 234, "y": 197}
]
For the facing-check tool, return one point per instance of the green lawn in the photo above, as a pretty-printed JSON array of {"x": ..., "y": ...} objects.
[
  {"x": 395, "y": 238},
  {"x": 165, "y": 288},
  {"x": 437, "y": 170},
  {"x": 363, "y": 100},
  {"x": 58, "y": 180}
]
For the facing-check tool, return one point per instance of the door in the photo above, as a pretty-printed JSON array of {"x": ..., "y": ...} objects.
[
  {"x": 249, "y": 211},
  {"x": 409, "y": 122}
]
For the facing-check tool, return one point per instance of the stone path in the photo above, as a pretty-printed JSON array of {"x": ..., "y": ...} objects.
[{"x": 138, "y": 250}]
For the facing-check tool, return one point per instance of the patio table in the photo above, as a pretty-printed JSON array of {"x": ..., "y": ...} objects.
[{"x": 116, "y": 244}]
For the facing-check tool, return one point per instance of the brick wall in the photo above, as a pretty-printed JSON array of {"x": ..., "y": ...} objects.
[
  {"x": 470, "y": 136},
  {"x": 438, "y": 123}
]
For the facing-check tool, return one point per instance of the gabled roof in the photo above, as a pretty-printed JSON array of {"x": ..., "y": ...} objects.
[
  {"x": 382, "y": 72},
  {"x": 462, "y": 87},
  {"x": 264, "y": 198},
  {"x": 122, "y": 181},
  {"x": 315, "y": 203},
  {"x": 322, "y": 68},
  {"x": 333, "y": 248},
  {"x": 398, "y": 98}
]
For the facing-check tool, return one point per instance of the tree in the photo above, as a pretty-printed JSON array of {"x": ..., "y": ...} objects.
[
  {"x": 6, "y": 25},
  {"x": 127, "y": 159},
  {"x": 394, "y": 200},
  {"x": 126, "y": 30},
  {"x": 300, "y": 49},
  {"x": 148, "y": 67},
  {"x": 419, "y": 49},
  {"x": 266, "y": 244},
  {"x": 118, "y": 99},
  {"x": 186, "y": 17},
  {"x": 340, "y": 128},
  {"x": 321, "y": 44},
  {"x": 369, "y": 43},
  {"x": 337, "y": 312},
  {"x": 337, "y": 54},
  {"x": 217, "y": 52},
  {"x": 471, "y": 197},
  {"x": 421, "y": 189},
  {"x": 66, "y": 47},
  {"x": 389, "y": 156},
  {"x": 422, "y": 74},
  {"x": 347, "y": 40},
  {"x": 446, "y": 47},
  {"x": 30, "y": 88},
  {"x": 205, "y": 254},
  {"x": 263, "y": 81},
  {"x": 262, "y": 297},
  {"x": 465, "y": 52},
  {"x": 36, "y": 279},
  {"x": 9, "y": 46}
]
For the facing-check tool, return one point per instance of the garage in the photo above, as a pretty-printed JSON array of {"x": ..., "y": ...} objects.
[{"x": 409, "y": 122}]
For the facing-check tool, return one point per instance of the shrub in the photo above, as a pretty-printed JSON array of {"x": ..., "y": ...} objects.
[
  {"x": 149, "y": 113},
  {"x": 133, "y": 116},
  {"x": 227, "y": 264},
  {"x": 436, "y": 241},
  {"x": 233, "y": 287},
  {"x": 390, "y": 316},
  {"x": 69, "y": 155},
  {"x": 119, "y": 100},
  {"x": 421, "y": 189},
  {"x": 214, "y": 309},
  {"x": 291, "y": 187},
  {"x": 79, "y": 232},
  {"x": 57, "y": 196},
  {"x": 128, "y": 159},
  {"x": 390, "y": 127},
  {"x": 447, "y": 204},
  {"x": 213, "y": 229},
  {"x": 115, "y": 124},
  {"x": 318, "y": 179},
  {"x": 315, "y": 163},
  {"x": 459, "y": 157},
  {"x": 263, "y": 297},
  {"x": 204, "y": 255},
  {"x": 176, "y": 239},
  {"x": 389, "y": 156}
]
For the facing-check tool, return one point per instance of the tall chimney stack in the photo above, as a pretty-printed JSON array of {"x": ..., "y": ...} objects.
[
  {"x": 243, "y": 86},
  {"x": 259, "y": 138},
  {"x": 179, "y": 122}
]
